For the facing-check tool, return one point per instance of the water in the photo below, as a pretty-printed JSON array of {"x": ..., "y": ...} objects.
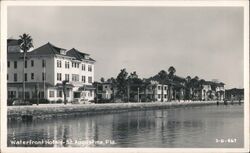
[{"x": 189, "y": 127}]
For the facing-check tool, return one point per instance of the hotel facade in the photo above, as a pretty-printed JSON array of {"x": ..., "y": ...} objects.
[{"x": 46, "y": 67}]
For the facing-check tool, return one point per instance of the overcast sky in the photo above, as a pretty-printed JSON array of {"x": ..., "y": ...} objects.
[{"x": 206, "y": 42}]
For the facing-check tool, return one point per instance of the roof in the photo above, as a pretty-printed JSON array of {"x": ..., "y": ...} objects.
[
  {"x": 12, "y": 42},
  {"x": 29, "y": 84},
  {"x": 214, "y": 83},
  {"x": 47, "y": 49},
  {"x": 59, "y": 85},
  {"x": 87, "y": 87},
  {"x": 78, "y": 54},
  {"x": 50, "y": 49},
  {"x": 235, "y": 90},
  {"x": 14, "y": 55},
  {"x": 178, "y": 78}
]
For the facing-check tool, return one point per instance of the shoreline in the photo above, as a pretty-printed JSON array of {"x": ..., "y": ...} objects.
[{"x": 34, "y": 112}]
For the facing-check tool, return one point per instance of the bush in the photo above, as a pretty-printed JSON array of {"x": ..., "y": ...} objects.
[
  {"x": 59, "y": 101},
  {"x": 9, "y": 102},
  {"x": 40, "y": 101},
  {"x": 52, "y": 102}
]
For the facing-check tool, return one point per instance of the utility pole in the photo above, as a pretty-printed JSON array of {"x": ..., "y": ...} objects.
[
  {"x": 44, "y": 78},
  {"x": 138, "y": 94}
]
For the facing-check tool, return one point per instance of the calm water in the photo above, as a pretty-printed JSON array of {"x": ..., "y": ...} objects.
[{"x": 180, "y": 127}]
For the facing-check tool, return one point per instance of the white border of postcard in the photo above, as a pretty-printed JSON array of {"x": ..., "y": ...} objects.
[{"x": 3, "y": 93}]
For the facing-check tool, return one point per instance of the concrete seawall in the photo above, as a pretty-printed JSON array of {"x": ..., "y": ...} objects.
[{"x": 59, "y": 110}]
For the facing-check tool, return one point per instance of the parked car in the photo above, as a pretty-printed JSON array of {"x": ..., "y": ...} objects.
[{"x": 19, "y": 102}]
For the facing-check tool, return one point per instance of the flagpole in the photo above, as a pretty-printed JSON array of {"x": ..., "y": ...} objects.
[{"x": 44, "y": 72}]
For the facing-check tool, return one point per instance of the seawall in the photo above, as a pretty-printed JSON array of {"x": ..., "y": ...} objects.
[{"x": 59, "y": 110}]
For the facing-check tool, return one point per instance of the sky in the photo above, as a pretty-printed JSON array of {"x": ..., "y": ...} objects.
[{"x": 198, "y": 41}]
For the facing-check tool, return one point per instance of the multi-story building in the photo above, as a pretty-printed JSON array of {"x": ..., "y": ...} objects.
[
  {"x": 213, "y": 91},
  {"x": 46, "y": 67}
]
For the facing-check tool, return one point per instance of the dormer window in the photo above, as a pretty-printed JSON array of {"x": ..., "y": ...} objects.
[
  {"x": 86, "y": 56},
  {"x": 63, "y": 51}
]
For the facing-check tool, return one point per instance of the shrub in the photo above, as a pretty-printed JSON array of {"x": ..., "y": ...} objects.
[
  {"x": 40, "y": 101},
  {"x": 59, "y": 101},
  {"x": 9, "y": 102}
]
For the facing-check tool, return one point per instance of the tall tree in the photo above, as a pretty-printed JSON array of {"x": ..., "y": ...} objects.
[
  {"x": 25, "y": 42},
  {"x": 102, "y": 80},
  {"x": 188, "y": 88},
  {"x": 163, "y": 77},
  {"x": 201, "y": 83},
  {"x": 64, "y": 91},
  {"x": 194, "y": 83},
  {"x": 122, "y": 83},
  {"x": 134, "y": 83},
  {"x": 113, "y": 83},
  {"x": 171, "y": 73}
]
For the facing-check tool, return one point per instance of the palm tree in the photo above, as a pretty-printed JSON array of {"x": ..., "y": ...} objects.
[
  {"x": 145, "y": 86},
  {"x": 163, "y": 76},
  {"x": 113, "y": 84},
  {"x": 201, "y": 83},
  {"x": 188, "y": 88},
  {"x": 64, "y": 91},
  {"x": 194, "y": 85},
  {"x": 171, "y": 72},
  {"x": 102, "y": 80},
  {"x": 25, "y": 42}
]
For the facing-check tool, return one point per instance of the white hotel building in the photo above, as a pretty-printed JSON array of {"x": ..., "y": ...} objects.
[{"x": 45, "y": 69}]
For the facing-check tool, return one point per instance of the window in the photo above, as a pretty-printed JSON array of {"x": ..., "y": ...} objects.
[
  {"x": 11, "y": 94},
  {"x": 90, "y": 68},
  {"x": 165, "y": 88},
  {"x": 72, "y": 64},
  {"x": 59, "y": 93},
  {"x": 15, "y": 64},
  {"x": 77, "y": 65},
  {"x": 7, "y": 76},
  {"x": 43, "y": 76},
  {"x": 59, "y": 63},
  {"x": 159, "y": 87},
  {"x": 51, "y": 93},
  {"x": 25, "y": 76},
  {"x": 41, "y": 94},
  {"x": 159, "y": 96},
  {"x": 67, "y": 77},
  {"x": 67, "y": 93},
  {"x": 165, "y": 96},
  {"x": 75, "y": 77},
  {"x": 8, "y": 64},
  {"x": 83, "y": 67},
  {"x": 43, "y": 63},
  {"x": 89, "y": 79},
  {"x": 83, "y": 79},
  {"x": 59, "y": 77},
  {"x": 77, "y": 94},
  {"x": 32, "y": 76},
  {"x": 32, "y": 63},
  {"x": 66, "y": 65},
  {"x": 25, "y": 63},
  {"x": 15, "y": 77}
]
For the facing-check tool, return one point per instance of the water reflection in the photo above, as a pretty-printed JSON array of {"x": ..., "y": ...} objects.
[{"x": 180, "y": 127}]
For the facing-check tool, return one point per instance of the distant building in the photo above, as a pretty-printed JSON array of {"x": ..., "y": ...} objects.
[
  {"x": 104, "y": 90},
  {"x": 213, "y": 91},
  {"x": 45, "y": 69},
  {"x": 235, "y": 94}
]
